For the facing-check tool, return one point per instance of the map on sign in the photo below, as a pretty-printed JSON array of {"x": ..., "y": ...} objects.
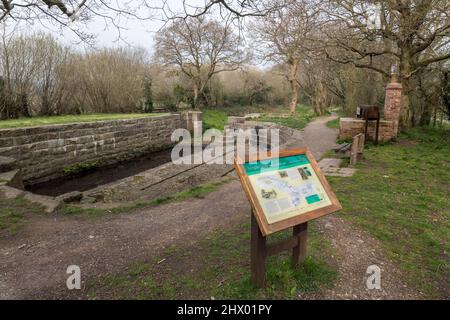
[{"x": 286, "y": 187}]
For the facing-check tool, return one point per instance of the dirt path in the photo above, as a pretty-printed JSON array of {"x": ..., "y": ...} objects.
[
  {"x": 355, "y": 251},
  {"x": 317, "y": 137},
  {"x": 35, "y": 260}
]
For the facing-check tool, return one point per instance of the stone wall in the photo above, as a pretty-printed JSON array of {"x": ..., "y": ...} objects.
[
  {"x": 350, "y": 127},
  {"x": 43, "y": 152}
]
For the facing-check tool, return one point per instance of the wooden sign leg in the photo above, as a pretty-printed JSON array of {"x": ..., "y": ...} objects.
[
  {"x": 258, "y": 255},
  {"x": 299, "y": 252}
]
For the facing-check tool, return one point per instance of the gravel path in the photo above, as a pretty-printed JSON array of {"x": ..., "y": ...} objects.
[
  {"x": 316, "y": 136},
  {"x": 34, "y": 261}
]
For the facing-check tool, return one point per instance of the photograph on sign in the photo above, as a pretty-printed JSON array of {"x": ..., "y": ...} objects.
[{"x": 286, "y": 187}]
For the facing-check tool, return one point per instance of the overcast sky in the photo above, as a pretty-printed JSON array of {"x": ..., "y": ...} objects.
[{"x": 135, "y": 32}]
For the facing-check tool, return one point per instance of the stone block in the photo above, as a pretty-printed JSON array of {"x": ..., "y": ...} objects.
[
  {"x": 7, "y": 164},
  {"x": 74, "y": 196}
]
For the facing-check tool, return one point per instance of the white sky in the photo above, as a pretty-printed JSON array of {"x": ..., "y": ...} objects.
[
  {"x": 135, "y": 32},
  {"x": 138, "y": 33}
]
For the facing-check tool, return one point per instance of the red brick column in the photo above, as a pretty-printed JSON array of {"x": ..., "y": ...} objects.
[{"x": 393, "y": 103}]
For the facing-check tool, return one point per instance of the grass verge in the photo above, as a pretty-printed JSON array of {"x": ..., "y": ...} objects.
[
  {"x": 401, "y": 195},
  {"x": 12, "y": 213},
  {"x": 49, "y": 120},
  {"x": 218, "y": 266},
  {"x": 333, "y": 124}
]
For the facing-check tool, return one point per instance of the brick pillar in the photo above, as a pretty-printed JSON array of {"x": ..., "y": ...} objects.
[{"x": 393, "y": 102}]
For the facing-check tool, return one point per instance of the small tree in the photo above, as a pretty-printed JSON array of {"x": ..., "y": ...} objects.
[
  {"x": 148, "y": 95},
  {"x": 199, "y": 48}
]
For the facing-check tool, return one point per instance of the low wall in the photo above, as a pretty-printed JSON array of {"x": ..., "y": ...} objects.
[
  {"x": 43, "y": 152},
  {"x": 350, "y": 127}
]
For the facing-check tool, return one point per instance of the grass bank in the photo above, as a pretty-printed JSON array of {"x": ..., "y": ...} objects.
[
  {"x": 43, "y": 121},
  {"x": 401, "y": 195}
]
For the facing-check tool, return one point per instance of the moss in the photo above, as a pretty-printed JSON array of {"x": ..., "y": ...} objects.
[{"x": 80, "y": 168}]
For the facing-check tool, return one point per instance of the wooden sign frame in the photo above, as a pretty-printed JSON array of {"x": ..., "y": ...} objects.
[{"x": 264, "y": 226}]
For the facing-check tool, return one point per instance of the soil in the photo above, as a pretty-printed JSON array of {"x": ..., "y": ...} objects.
[{"x": 34, "y": 261}]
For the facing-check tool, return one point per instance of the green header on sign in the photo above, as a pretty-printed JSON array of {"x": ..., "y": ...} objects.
[{"x": 258, "y": 167}]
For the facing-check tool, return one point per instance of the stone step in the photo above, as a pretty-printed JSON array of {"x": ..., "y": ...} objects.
[
  {"x": 339, "y": 172},
  {"x": 7, "y": 164},
  {"x": 326, "y": 163}
]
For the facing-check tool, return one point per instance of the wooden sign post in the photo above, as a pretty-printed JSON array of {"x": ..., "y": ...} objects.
[{"x": 285, "y": 191}]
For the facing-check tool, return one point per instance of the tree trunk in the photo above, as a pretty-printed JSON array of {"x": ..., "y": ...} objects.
[
  {"x": 405, "y": 73},
  {"x": 320, "y": 100},
  {"x": 294, "y": 86},
  {"x": 195, "y": 99}
]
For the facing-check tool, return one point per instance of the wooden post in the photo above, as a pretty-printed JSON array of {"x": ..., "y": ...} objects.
[
  {"x": 377, "y": 130},
  {"x": 354, "y": 150},
  {"x": 299, "y": 252},
  {"x": 257, "y": 255},
  {"x": 366, "y": 130}
]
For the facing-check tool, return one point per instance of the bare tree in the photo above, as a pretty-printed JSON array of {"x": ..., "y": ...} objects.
[
  {"x": 237, "y": 8},
  {"x": 22, "y": 9},
  {"x": 73, "y": 14},
  {"x": 286, "y": 35},
  {"x": 376, "y": 34},
  {"x": 200, "y": 48}
]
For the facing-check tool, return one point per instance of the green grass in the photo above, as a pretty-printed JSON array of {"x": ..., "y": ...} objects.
[
  {"x": 333, "y": 124},
  {"x": 303, "y": 116},
  {"x": 42, "y": 121},
  {"x": 401, "y": 195},
  {"x": 12, "y": 213},
  {"x": 196, "y": 192},
  {"x": 218, "y": 266},
  {"x": 214, "y": 119}
]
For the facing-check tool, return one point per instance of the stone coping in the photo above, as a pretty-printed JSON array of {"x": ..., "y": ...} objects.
[{"x": 82, "y": 125}]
